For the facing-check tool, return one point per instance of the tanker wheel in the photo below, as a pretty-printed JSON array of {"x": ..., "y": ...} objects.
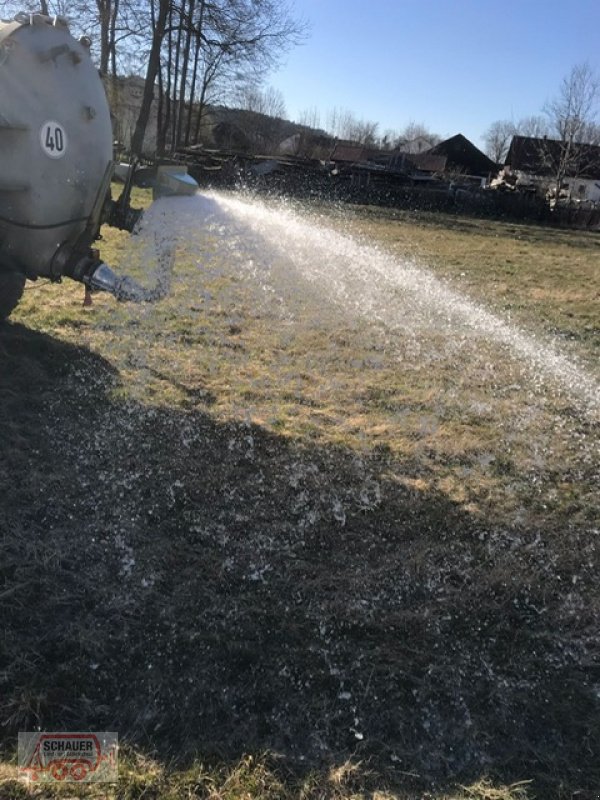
[
  {"x": 59, "y": 771},
  {"x": 11, "y": 289},
  {"x": 78, "y": 771}
]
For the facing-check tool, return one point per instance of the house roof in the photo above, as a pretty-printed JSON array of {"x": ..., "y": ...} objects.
[
  {"x": 542, "y": 157},
  {"x": 420, "y": 144},
  {"x": 357, "y": 154},
  {"x": 463, "y": 156},
  {"x": 350, "y": 153},
  {"x": 428, "y": 162}
]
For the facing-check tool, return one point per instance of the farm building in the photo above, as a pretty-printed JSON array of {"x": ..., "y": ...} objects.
[
  {"x": 536, "y": 161},
  {"x": 454, "y": 158},
  {"x": 464, "y": 159}
]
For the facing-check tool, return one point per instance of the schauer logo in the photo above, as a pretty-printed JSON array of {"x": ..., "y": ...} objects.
[{"x": 68, "y": 757}]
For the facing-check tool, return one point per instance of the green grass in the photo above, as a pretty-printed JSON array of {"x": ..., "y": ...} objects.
[{"x": 302, "y": 566}]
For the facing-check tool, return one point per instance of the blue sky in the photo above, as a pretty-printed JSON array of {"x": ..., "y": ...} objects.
[{"x": 454, "y": 65}]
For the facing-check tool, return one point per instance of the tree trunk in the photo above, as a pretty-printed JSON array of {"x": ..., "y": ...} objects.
[
  {"x": 158, "y": 35},
  {"x": 104, "y": 9},
  {"x": 112, "y": 43},
  {"x": 175, "y": 81},
  {"x": 184, "y": 71},
  {"x": 188, "y": 127},
  {"x": 160, "y": 140},
  {"x": 201, "y": 102},
  {"x": 201, "y": 106},
  {"x": 198, "y": 42},
  {"x": 165, "y": 116}
]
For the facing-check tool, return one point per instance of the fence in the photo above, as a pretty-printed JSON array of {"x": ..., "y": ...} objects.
[{"x": 391, "y": 191}]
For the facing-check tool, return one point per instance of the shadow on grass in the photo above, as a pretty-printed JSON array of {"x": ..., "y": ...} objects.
[{"x": 213, "y": 589}]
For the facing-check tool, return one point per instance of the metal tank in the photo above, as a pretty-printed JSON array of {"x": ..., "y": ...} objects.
[{"x": 55, "y": 162}]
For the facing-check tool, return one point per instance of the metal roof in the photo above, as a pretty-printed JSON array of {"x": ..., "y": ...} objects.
[{"x": 543, "y": 157}]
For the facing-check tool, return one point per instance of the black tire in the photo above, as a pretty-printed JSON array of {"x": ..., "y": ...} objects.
[{"x": 11, "y": 289}]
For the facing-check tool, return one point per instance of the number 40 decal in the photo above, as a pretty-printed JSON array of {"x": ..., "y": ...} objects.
[{"x": 53, "y": 139}]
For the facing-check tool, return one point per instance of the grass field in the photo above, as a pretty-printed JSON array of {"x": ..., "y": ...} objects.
[{"x": 291, "y": 548}]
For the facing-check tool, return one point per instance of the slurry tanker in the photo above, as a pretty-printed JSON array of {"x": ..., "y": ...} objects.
[{"x": 56, "y": 163}]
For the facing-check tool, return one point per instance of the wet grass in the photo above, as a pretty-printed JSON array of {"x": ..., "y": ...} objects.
[
  {"x": 541, "y": 277},
  {"x": 313, "y": 556}
]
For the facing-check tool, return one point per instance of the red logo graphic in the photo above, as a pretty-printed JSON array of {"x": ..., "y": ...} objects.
[{"x": 69, "y": 757}]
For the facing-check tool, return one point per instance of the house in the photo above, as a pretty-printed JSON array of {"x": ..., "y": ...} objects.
[
  {"x": 454, "y": 159},
  {"x": 537, "y": 162},
  {"x": 465, "y": 160},
  {"x": 344, "y": 154},
  {"x": 420, "y": 166},
  {"x": 420, "y": 144},
  {"x": 307, "y": 143}
]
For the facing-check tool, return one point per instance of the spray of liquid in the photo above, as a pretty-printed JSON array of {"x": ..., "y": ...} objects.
[{"x": 296, "y": 258}]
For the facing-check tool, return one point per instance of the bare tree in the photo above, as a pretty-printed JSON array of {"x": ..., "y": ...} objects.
[
  {"x": 572, "y": 116},
  {"x": 9, "y": 8},
  {"x": 108, "y": 11},
  {"x": 343, "y": 124},
  {"x": 214, "y": 71},
  {"x": 499, "y": 135},
  {"x": 79, "y": 13},
  {"x": 497, "y": 139},
  {"x": 263, "y": 122},
  {"x": 159, "y": 13},
  {"x": 274, "y": 103},
  {"x": 417, "y": 138},
  {"x": 534, "y": 125},
  {"x": 215, "y": 44},
  {"x": 189, "y": 37},
  {"x": 389, "y": 139},
  {"x": 310, "y": 117},
  {"x": 366, "y": 133},
  {"x": 190, "y": 48},
  {"x": 267, "y": 101},
  {"x": 576, "y": 105}
]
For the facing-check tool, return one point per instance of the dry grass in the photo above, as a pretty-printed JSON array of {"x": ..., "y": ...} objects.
[
  {"x": 280, "y": 517},
  {"x": 252, "y": 777},
  {"x": 544, "y": 278}
]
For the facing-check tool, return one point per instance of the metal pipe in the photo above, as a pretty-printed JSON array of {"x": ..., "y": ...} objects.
[
  {"x": 98, "y": 276},
  {"x": 103, "y": 278}
]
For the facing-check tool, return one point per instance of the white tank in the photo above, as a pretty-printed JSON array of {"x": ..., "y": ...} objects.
[
  {"x": 55, "y": 145},
  {"x": 56, "y": 163}
]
